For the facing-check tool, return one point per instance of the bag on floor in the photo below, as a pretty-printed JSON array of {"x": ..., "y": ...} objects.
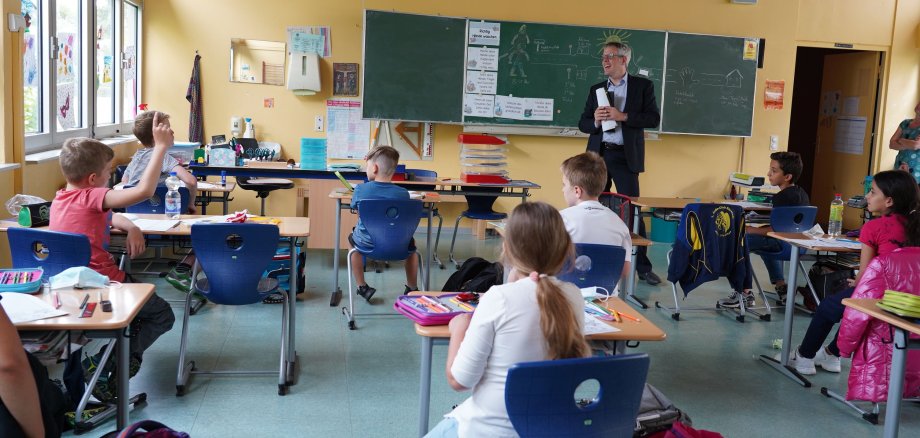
[
  {"x": 150, "y": 429},
  {"x": 657, "y": 413},
  {"x": 476, "y": 274},
  {"x": 828, "y": 278}
]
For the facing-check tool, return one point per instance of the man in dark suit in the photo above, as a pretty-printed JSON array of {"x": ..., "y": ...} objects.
[{"x": 633, "y": 108}]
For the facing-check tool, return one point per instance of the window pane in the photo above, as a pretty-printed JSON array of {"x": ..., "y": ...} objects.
[
  {"x": 105, "y": 62},
  {"x": 31, "y": 67},
  {"x": 130, "y": 37},
  {"x": 68, "y": 65}
]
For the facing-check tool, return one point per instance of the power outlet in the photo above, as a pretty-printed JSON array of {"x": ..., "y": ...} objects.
[
  {"x": 774, "y": 143},
  {"x": 318, "y": 124}
]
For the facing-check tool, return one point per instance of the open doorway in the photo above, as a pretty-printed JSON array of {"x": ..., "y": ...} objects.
[{"x": 832, "y": 124}]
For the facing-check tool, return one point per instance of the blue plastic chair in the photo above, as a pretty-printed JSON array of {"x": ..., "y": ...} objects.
[
  {"x": 233, "y": 258},
  {"x": 156, "y": 205},
  {"x": 53, "y": 251},
  {"x": 595, "y": 265},
  {"x": 539, "y": 396},
  {"x": 479, "y": 207},
  {"x": 790, "y": 220},
  {"x": 391, "y": 224}
]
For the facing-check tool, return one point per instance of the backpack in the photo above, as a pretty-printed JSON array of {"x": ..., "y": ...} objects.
[
  {"x": 153, "y": 429},
  {"x": 476, "y": 274},
  {"x": 828, "y": 278},
  {"x": 657, "y": 413}
]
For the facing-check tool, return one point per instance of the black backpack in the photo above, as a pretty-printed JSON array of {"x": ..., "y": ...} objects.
[
  {"x": 476, "y": 274},
  {"x": 828, "y": 278},
  {"x": 657, "y": 413}
]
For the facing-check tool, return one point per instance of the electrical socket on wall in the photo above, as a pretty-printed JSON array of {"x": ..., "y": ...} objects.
[
  {"x": 774, "y": 143},
  {"x": 318, "y": 124}
]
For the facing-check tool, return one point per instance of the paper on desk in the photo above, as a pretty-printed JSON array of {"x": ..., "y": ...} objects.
[
  {"x": 846, "y": 243},
  {"x": 827, "y": 243},
  {"x": 748, "y": 204},
  {"x": 206, "y": 220},
  {"x": 602, "y": 100},
  {"x": 24, "y": 308},
  {"x": 202, "y": 185},
  {"x": 155, "y": 224},
  {"x": 594, "y": 326}
]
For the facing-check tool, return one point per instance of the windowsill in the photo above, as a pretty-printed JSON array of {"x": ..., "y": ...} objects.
[
  {"x": 9, "y": 166},
  {"x": 41, "y": 157}
]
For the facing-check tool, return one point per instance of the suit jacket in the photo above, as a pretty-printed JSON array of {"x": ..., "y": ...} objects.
[{"x": 642, "y": 112}]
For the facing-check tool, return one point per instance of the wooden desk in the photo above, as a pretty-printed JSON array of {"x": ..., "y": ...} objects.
[
  {"x": 903, "y": 328},
  {"x": 205, "y": 194},
  {"x": 342, "y": 199},
  {"x": 126, "y": 303},
  {"x": 794, "y": 239},
  {"x": 643, "y": 330}
]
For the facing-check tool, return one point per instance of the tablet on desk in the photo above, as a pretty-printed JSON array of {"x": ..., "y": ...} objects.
[{"x": 345, "y": 182}]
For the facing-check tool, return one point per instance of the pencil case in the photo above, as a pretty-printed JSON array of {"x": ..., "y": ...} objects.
[
  {"x": 27, "y": 280},
  {"x": 429, "y": 310}
]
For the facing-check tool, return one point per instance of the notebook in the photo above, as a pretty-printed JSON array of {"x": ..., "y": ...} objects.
[{"x": 345, "y": 182}]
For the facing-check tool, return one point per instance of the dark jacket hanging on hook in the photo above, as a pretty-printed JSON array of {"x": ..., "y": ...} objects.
[{"x": 193, "y": 95}]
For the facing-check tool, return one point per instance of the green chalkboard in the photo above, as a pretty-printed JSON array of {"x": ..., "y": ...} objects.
[
  {"x": 709, "y": 85},
  {"x": 561, "y": 62},
  {"x": 413, "y": 67}
]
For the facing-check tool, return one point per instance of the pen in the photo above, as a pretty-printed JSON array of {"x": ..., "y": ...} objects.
[
  {"x": 616, "y": 316},
  {"x": 85, "y": 300},
  {"x": 628, "y": 316},
  {"x": 57, "y": 299},
  {"x": 435, "y": 303}
]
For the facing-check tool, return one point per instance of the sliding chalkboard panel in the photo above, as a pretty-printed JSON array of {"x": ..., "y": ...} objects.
[
  {"x": 561, "y": 62},
  {"x": 413, "y": 67},
  {"x": 709, "y": 85}
]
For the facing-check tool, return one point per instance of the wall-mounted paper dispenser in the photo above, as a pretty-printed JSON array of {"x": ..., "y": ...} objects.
[{"x": 303, "y": 74}]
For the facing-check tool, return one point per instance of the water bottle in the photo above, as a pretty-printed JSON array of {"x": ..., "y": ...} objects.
[
  {"x": 173, "y": 199},
  {"x": 835, "y": 224},
  {"x": 250, "y": 131}
]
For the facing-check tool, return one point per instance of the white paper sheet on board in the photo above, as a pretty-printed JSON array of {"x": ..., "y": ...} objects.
[
  {"x": 484, "y": 33},
  {"x": 481, "y": 82},
  {"x": 482, "y": 58},
  {"x": 538, "y": 109},
  {"x": 478, "y": 105},
  {"x": 509, "y": 107}
]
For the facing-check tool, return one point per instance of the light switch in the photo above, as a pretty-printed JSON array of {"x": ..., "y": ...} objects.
[
  {"x": 318, "y": 124},
  {"x": 774, "y": 143}
]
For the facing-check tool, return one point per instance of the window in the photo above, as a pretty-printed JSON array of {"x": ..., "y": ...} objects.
[{"x": 80, "y": 69}]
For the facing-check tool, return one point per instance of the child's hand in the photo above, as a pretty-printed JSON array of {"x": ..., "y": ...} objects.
[
  {"x": 135, "y": 243},
  {"x": 163, "y": 135}
]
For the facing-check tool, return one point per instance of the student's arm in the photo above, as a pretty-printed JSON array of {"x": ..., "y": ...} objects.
[
  {"x": 136, "y": 245},
  {"x": 457, "y": 327},
  {"x": 17, "y": 384},
  {"x": 191, "y": 183},
  {"x": 163, "y": 140},
  {"x": 899, "y": 144},
  {"x": 865, "y": 256}
]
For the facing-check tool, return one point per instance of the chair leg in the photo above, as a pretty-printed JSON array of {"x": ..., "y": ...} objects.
[
  {"x": 454, "y": 240},
  {"x": 349, "y": 311},
  {"x": 871, "y": 417},
  {"x": 675, "y": 312},
  {"x": 438, "y": 239},
  {"x": 285, "y": 311},
  {"x": 185, "y": 368}
]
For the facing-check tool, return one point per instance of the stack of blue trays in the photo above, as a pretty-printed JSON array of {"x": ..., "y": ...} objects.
[{"x": 313, "y": 153}]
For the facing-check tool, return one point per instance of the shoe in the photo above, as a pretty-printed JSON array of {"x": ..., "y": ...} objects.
[
  {"x": 804, "y": 366},
  {"x": 650, "y": 278},
  {"x": 106, "y": 390},
  {"x": 733, "y": 301},
  {"x": 781, "y": 293},
  {"x": 828, "y": 361},
  {"x": 182, "y": 284},
  {"x": 367, "y": 292},
  {"x": 275, "y": 298},
  {"x": 807, "y": 298},
  {"x": 409, "y": 289}
]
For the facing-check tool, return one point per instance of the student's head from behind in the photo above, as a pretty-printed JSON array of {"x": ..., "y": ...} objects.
[
  {"x": 86, "y": 162},
  {"x": 143, "y": 126},
  {"x": 584, "y": 177},
  {"x": 537, "y": 245},
  {"x": 381, "y": 163},
  {"x": 785, "y": 168}
]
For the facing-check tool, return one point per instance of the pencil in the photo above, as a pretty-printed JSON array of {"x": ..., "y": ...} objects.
[
  {"x": 85, "y": 300},
  {"x": 616, "y": 315},
  {"x": 628, "y": 316}
]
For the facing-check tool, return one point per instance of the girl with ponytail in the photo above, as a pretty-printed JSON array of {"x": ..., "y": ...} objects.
[{"x": 533, "y": 317}]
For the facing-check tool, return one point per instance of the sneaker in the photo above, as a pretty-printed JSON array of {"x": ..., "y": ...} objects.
[
  {"x": 367, "y": 292},
  {"x": 105, "y": 390},
  {"x": 804, "y": 366},
  {"x": 182, "y": 284},
  {"x": 409, "y": 289},
  {"x": 827, "y": 361},
  {"x": 734, "y": 300},
  {"x": 781, "y": 293}
]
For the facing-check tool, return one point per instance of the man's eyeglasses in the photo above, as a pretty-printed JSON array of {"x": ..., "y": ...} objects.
[{"x": 610, "y": 57}]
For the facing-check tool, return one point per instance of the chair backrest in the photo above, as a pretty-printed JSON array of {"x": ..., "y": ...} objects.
[
  {"x": 234, "y": 257},
  {"x": 156, "y": 204},
  {"x": 391, "y": 224},
  {"x": 540, "y": 396},
  {"x": 54, "y": 251},
  {"x": 792, "y": 220},
  {"x": 478, "y": 199},
  {"x": 595, "y": 265},
  {"x": 420, "y": 175},
  {"x": 620, "y": 204}
]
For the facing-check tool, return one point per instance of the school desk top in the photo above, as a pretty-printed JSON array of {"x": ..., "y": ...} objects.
[
  {"x": 126, "y": 300},
  {"x": 288, "y": 227}
]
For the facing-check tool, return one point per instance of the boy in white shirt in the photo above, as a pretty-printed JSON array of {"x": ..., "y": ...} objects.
[{"x": 586, "y": 219}]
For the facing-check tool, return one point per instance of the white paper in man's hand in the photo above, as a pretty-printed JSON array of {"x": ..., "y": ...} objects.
[{"x": 602, "y": 100}]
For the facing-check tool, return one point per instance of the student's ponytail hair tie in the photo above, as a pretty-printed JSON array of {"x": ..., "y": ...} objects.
[{"x": 536, "y": 276}]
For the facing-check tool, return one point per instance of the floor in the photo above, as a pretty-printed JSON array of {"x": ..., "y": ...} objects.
[{"x": 364, "y": 383}]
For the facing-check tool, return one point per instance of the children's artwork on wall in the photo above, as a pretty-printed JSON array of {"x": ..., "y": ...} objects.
[
  {"x": 67, "y": 46},
  {"x": 66, "y": 105},
  {"x": 106, "y": 69},
  {"x": 29, "y": 60},
  {"x": 130, "y": 57},
  {"x": 345, "y": 79}
]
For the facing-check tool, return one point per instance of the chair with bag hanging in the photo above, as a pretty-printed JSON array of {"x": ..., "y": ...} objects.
[
  {"x": 540, "y": 397},
  {"x": 233, "y": 258},
  {"x": 391, "y": 224}
]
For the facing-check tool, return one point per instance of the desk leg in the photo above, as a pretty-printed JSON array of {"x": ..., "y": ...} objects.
[
  {"x": 336, "y": 292},
  {"x": 782, "y": 366},
  {"x": 124, "y": 365},
  {"x": 631, "y": 283},
  {"x": 424, "y": 394},
  {"x": 428, "y": 249},
  {"x": 293, "y": 279},
  {"x": 205, "y": 200},
  {"x": 226, "y": 202},
  {"x": 895, "y": 383}
]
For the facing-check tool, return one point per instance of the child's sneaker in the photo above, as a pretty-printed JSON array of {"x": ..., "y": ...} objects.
[
  {"x": 409, "y": 289},
  {"x": 734, "y": 300},
  {"x": 367, "y": 292},
  {"x": 827, "y": 361},
  {"x": 180, "y": 277},
  {"x": 781, "y": 293},
  {"x": 801, "y": 364}
]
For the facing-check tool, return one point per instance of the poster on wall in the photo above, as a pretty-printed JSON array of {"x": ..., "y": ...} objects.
[
  {"x": 347, "y": 134},
  {"x": 66, "y": 105},
  {"x": 65, "y": 55},
  {"x": 344, "y": 79}
]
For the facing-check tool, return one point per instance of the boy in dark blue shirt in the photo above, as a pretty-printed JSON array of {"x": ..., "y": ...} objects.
[
  {"x": 785, "y": 170},
  {"x": 380, "y": 166}
]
